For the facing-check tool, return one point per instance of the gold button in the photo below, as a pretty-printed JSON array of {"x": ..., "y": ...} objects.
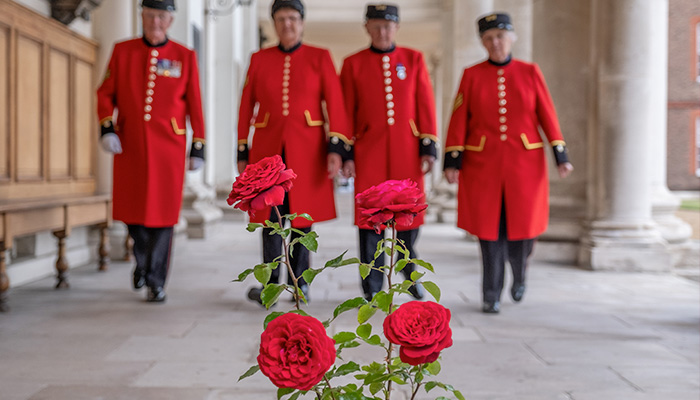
[
  {"x": 426, "y": 142},
  {"x": 285, "y": 112},
  {"x": 387, "y": 81},
  {"x": 502, "y": 120},
  {"x": 390, "y": 121},
  {"x": 148, "y": 108},
  {"x": 501, "y": 87},
  {"x": 154, "y": 60},
  {"x": 285, "y": 84},
  {"x": 334, "y": 140},
  {"x": 153, "y": 68},
  {"x": 287, "y": 64},
  {"x": 501, "y": 94},
  {"x": 147, "y": 117},
  {"x": 560, "y": 148},
  {"x": 503, "y": 128},
  {"x": 504, "y": 137},
  {"x": 386, "y": 66},
  {"x": 285, "y": 97},
  {"x": 151, "y": 84},
  {"x": 153, "y": 76},
  {"x": 241, "y": 147},
  {"x": 286, "y": 77},
  {"x": 149, "y": 100},
  {"x": 149, "y": 92},
  {"x": 108, "y": 123},
  {"x": 390, "y": 113},
  {"x": 388, "y": 89},
  {"x": 154, "y": 53},
  {"x": 198, "y": 145},
  {"x": 387, "y": 73},
  {"x": 501, "y": 79},
  {"x": 454, "y": 154},
  {"x": 287, "y": 58},
  {"x": 502, "y": 110},
  {"x": 390, "y": 104},
  {"x": 500, "y": 71},
  {"x": 285, "y": 105},
  {"x": 385, "y": 59},
  {"x": 502, "y": 102},
  {"x": 285, "y": 90}
]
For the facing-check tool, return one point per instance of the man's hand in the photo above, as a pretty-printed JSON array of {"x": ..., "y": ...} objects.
[
  {"x": 349, "y": 169},
  {"x": 241, "y": 166},
  {"x": 334, "y": 164},
  {"x": 426, "y": 163},
  {"x": 452, "y": 175},
  {"x": 111, "y": 143},
  {"x": 196, "y": 163},
  {"x": 565, "y": 169}
]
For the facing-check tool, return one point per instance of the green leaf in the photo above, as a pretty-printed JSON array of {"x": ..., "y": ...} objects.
[
  {"x": 243, "y": 275},
  {"x": 342, "y": 337},
  {"x": 270, "y": 317},
  {"x": 250, "y": 372},
  {"x": 296, "y": 395},
  {"x": 364, "y": 270},
  {"x": 252, "y": 227},
  {"x": 424, "y": 264},
  {"x": 400, "y": 265},
  {"x": 433, "y": 289},
  {"x": 459, "y": 395},
  {"x": 375, "y": 340},
  {"x": 263, "y": 273},
  {"x": 383, "y": 300},
  {"x": 433, "y": 368},
  {"x": 310, "y": 274},
  {"x": 281, "y": 392},
  {"x": 415, "y": 275},
  {"x": 375, "y": 387},
  {"x": 347, "y": 369},
  {"x": 271, "y": 293},
  {"x": 365, "y": 313},
  {"x": 430, "y": 386},
  {"x": 309, "y": 241},
  {"x": 348, "y": 305},
  {"x": 397, "y": 379},
  {"x": 306, "y": 216},
  {"x": 364, "y": 330},
  {"x": 339, "y": 262}
]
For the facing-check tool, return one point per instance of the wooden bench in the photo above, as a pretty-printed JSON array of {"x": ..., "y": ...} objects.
[{"x": 58, "y": 215}]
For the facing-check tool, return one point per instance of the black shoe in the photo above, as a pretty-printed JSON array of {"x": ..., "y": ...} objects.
[
  {"x": 156, "y": 295},
  {"x": 416, "y": 290},
  {"x": 517, "y": 291},
  {"x": 491, "y": 308},
  {"x": 254, "y": 295},
  {"x": 139, "y": 279}
]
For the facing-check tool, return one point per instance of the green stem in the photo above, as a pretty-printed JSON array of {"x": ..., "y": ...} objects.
[
  {"x": 288, "y": 264},
  {"x": 418, "y": 384},
  {"x": 329, "y": 386},
  {"x": 390, "y": 350}
]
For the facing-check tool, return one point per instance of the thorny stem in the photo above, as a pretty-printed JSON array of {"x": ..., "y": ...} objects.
[
  {"x": 418, "y": 384},
  {"x": 329, "y": 386},
  {"x": 390, "y": 350},
  {"x": 288, "y": 264}
]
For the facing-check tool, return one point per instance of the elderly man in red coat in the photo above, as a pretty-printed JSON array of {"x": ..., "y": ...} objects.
[
  {"x": 391, "y": 106},
  {"x": 282, "y": 99},
  {"x": 496, "y": 155},
  {"x": 153, "y": 82}
]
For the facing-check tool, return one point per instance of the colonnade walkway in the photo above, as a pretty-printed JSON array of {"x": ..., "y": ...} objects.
[{"x": 577, "y": 335}]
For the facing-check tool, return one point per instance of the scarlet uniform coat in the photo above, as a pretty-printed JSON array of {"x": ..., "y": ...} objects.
[
  {"x": 288, "y": 89},
  {"x": 391, "y": 108},
  {"x": 154, "y": 90},
  {"x": 495, "y": 121}
]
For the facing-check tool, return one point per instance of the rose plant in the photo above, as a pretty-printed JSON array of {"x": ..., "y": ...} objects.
[{"x": 295, "y": 352}]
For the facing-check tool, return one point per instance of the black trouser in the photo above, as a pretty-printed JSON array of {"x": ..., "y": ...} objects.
[
  {"x": 368, "y": 246},
  {"x": 272, "y": 248},
  {"x": 494, "y": 254},
  {"x": 152, "y": 253}
]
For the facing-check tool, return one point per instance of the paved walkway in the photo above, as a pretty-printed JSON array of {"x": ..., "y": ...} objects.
[{"x": 578, "y": 335}]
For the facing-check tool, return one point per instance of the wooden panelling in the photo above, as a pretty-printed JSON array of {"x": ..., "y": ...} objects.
[
  {"x": 29, "y": 109},
  {"x": 85, "y": 126},
  {"x": 4, "y": 103},
  {"x": 59, "y": 115},
  {"x": 30, "y": 221}
]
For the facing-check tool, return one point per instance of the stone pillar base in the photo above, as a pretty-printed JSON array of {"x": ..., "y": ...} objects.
[
  {"x": 199, "y": 210},
  {"x": 615, "y": 248}
]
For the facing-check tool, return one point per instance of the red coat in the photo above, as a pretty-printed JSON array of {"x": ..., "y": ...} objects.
[
  {"x": 154, "y": 89},
  {"x": 391, "y": 107},
  {"x": 288, "y": 89},
  {"x": 495, "y": 121}
]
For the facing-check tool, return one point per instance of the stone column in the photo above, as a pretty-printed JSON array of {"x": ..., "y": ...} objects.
[
  {"x": 113, "y": 21},
  {"x": 621, "y": 234}
]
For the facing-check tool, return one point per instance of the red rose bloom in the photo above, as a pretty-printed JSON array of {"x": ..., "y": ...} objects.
[
  {"x": 390, "y": 201},
  {"x": 261, "y": 185},
  {"x": 295, "y": 351},
  {"x": 422, "y": 329}
]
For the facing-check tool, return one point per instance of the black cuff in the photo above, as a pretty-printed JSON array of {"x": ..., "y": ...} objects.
[
  {"x": 197, "y": 149},
  {"x": 242, "y": 152},
  {"x": 561, "y": 154},
  {"x": 453, "y": 159},
  {"x": 428, "y": 147},
  {"x": 335, "y": 145},
  {"x": 107, "y": 127}
]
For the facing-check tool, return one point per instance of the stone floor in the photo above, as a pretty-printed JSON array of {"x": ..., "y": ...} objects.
[{"x": 578, "y": 335}]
